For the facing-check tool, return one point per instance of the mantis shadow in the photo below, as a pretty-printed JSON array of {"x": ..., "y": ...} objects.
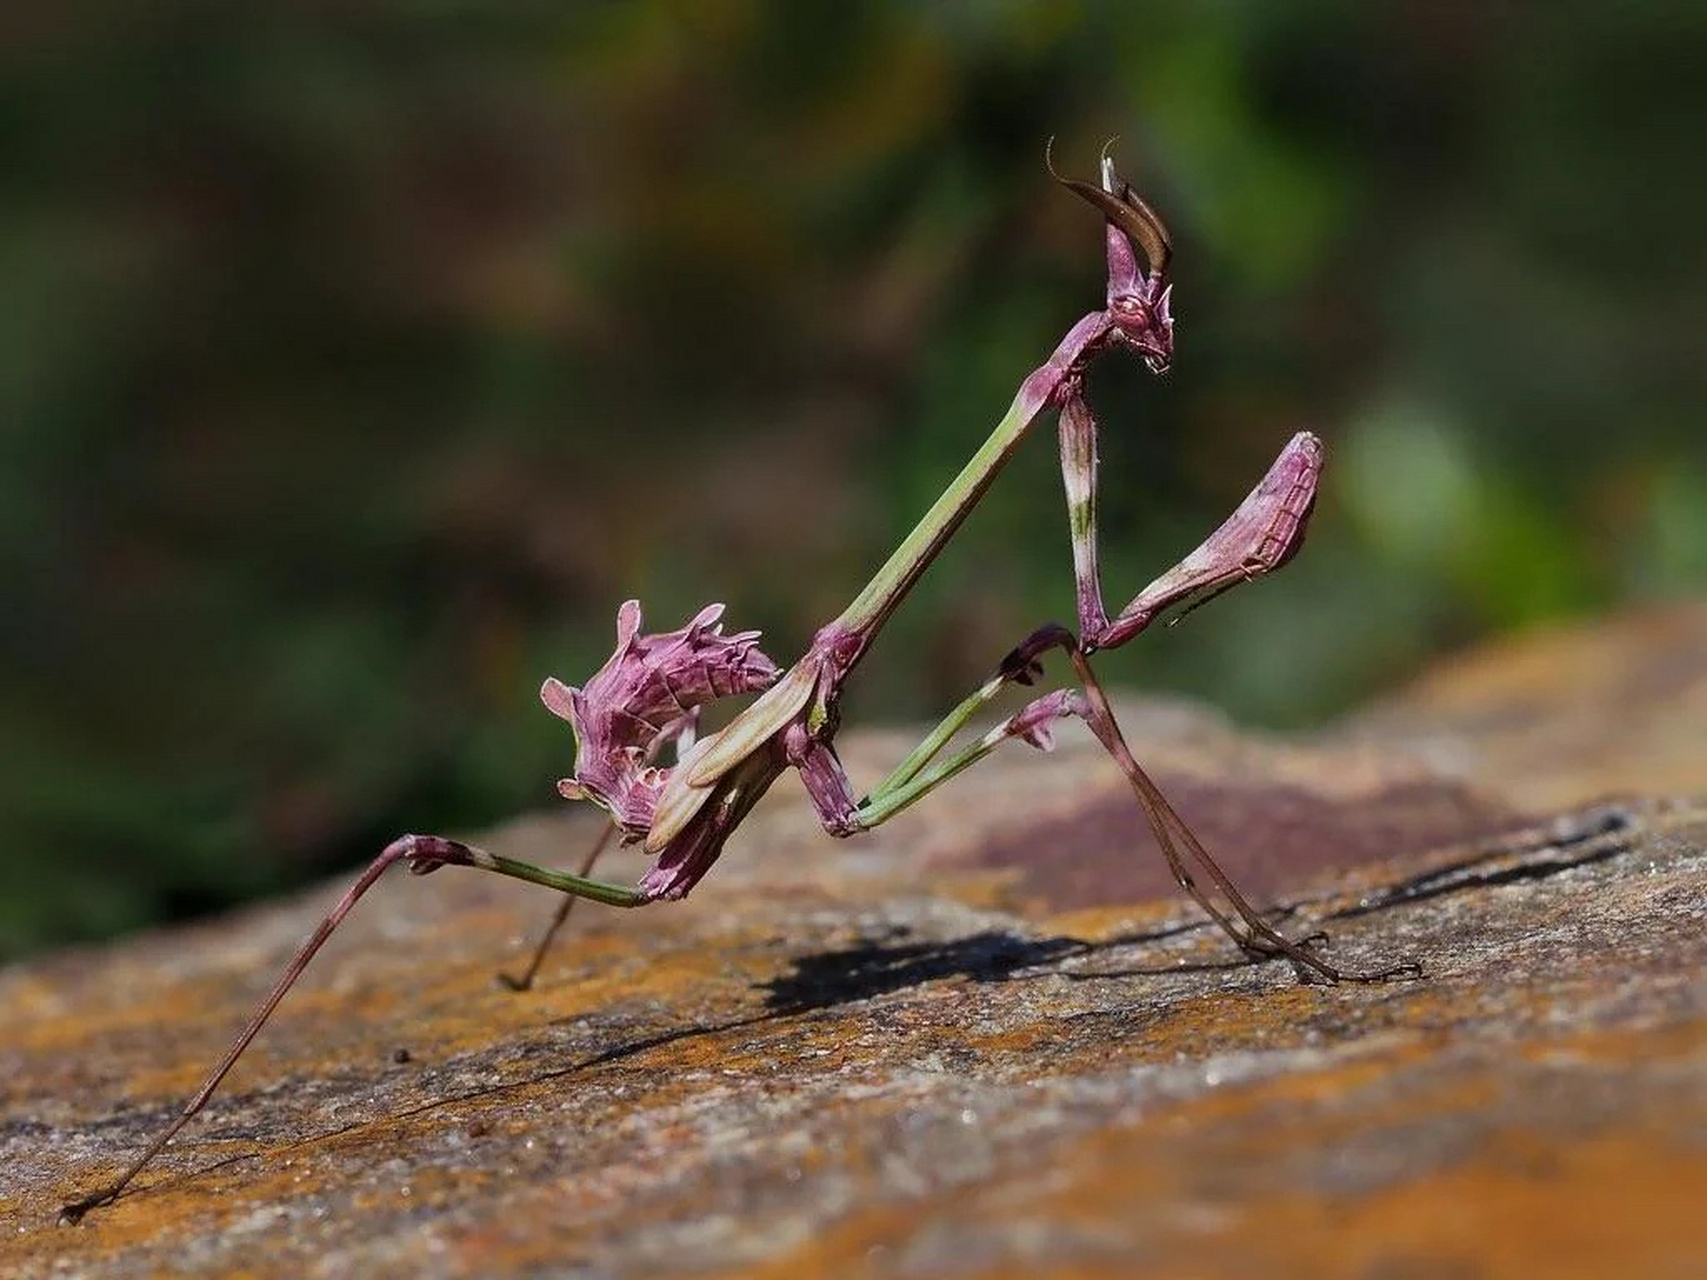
[{"x": 880, "y": 967}]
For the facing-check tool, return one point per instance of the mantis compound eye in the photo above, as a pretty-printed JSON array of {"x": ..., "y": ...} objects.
[{"x": 1145, "y": 329}]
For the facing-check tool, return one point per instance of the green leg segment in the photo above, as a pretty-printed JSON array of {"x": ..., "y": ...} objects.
[
  {"x": 449, "y": 853},
  {"x": 913, "y": 781}
]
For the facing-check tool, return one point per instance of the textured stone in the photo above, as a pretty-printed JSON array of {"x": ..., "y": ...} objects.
[{"x": 986, "y": 1040}]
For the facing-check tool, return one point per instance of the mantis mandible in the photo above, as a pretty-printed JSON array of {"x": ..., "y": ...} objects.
[{"x": 647, "y": 697}]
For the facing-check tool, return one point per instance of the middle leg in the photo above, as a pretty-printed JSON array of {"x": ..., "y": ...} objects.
[
  {"x": 1183, "y": 850},
  {"x": 1186, "y": 857}
]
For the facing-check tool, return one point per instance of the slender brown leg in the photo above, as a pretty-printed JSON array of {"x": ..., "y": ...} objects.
[
  {"x": 1257, "y": 937},
  {"x": 423, "y": 854},
  {"x": 528, "y": 974},
  {"x": 1186, "y": 857}
]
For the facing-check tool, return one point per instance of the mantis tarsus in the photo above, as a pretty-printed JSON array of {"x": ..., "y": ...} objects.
[{"x": 647, "y": 697}]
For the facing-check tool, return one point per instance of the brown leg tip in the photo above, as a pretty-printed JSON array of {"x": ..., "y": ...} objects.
[
  {"x": 1409, "y": 971},
  {"x": 71, "y": 1214},
  {"x": 1311, "y": 968}
]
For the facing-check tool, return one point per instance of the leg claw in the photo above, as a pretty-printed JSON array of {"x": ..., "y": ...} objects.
[{"x": 1312, "y": 968}]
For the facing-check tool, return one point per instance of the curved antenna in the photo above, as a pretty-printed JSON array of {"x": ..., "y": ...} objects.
[{"x": 1120, "y": 204}]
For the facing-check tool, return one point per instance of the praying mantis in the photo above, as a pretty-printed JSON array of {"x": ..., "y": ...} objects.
[{"x": 646, "y": 700}]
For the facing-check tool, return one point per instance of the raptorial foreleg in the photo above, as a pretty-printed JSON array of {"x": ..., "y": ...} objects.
[{"x": 1263, "y": 533}]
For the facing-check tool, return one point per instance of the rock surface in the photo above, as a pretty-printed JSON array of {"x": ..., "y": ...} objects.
[{"x": 988, "y": 1040}]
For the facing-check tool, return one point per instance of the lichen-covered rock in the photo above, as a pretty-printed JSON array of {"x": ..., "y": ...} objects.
[{"x": 986, "y": 1040}]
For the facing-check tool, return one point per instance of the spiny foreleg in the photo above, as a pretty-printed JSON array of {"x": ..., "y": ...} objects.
[{"x": 1263, "y": 533}]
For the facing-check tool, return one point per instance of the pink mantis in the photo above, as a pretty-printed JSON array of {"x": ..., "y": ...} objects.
[{"x": 646, "y": 699}]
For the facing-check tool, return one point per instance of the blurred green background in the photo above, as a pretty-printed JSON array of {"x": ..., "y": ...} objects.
[{"x": 356, "y": 361}]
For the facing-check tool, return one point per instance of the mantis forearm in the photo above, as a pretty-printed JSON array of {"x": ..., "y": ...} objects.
[{"x": 1260, "y": 536}]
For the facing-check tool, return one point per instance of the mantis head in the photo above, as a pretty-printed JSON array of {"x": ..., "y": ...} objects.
[{"x": 1139, "y": 248}]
